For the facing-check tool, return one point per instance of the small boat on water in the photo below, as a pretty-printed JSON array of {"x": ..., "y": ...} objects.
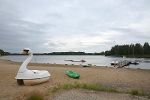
[
  {"x": 78, "y": 60},
  {"x": 72, "y": 74},
  {"x": 124, "y": 57},
  {"x": 114, "y": 62},
  {"x": 75, "y": 60},
  {"x": 68, "y": 60},
  {"x": 134, "y": 62},
  {"x": 30, "y": 77},
  {"x": 88, "y": 65}
]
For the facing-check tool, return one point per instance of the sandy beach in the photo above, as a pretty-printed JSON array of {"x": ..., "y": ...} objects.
[{"x": 122, "y": 78}]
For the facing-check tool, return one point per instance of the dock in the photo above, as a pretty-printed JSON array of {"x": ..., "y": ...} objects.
[{"x": 123, "y": 63}]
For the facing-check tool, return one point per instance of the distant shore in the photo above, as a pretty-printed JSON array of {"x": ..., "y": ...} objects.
[
  {"x": 122, "y": 78},
  {"x": 93, "y": 60},
  {"x": 76, "y": 53}
]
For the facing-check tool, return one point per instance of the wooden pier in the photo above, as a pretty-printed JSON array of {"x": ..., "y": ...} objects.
[{"x": 123, "y": 63}]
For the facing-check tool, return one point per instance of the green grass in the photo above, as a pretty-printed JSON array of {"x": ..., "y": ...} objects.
[
  {"x": 137, "y": 92},
  {"x": 134, "y": 92},
  {"x": 36, "y": 95},
  {"x": 99, "y": 87},
  {"x": 85, "y": 86},
  {"x": 96, "y": 86}
]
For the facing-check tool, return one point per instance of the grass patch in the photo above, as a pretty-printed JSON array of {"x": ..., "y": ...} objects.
[
  {"x": 149, "y": 96},
  {"x": 96, "y": 87},
  {"x": 134, "y": 92},
  {"x": 36, "y": 95},
  {"x": 137, "y": 92},
  {"x": 67, "y": 86},
  {"x": 99, "y": 87},
  {"x": 56, "y": 89},
  {"x": 83, "y": 85}
]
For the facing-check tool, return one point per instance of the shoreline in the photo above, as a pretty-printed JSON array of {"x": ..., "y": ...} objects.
[
  {"x": 55, "y": 64},
  {"x": 121, "y": 78},
  {"x": 143, "y": 63}
]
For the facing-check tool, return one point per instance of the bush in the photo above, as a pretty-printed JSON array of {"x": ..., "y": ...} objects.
[
  {"x": 36, "y": 95},
  {"x": 134, "y": 92}
]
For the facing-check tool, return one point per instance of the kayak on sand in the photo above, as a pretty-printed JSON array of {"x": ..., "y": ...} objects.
[{"x": 72, "y": 74}]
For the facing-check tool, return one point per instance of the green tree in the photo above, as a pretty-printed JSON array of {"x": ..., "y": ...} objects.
[
  {"x": 2, "y": 52},
  {"x": 134, "y": 50},
  {"x": 138, "y": 49},
  {"x": 107, "y": 53},
  {"x": 146, "y": 48}
]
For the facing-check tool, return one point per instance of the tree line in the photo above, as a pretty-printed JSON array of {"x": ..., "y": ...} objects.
[
  {"x": 61, "y": 53},
  {"x": 133, "y": 50},
  {"x": 68, "y": 53},
  {"x": 73, "y": 53},
  {"x": 2, "y": 52}
]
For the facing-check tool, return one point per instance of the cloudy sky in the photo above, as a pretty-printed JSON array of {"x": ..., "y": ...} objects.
[{"x": 72, "y": 25}]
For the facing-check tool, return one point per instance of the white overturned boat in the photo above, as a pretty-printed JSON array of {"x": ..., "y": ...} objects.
[
  {"x": 114, "y": 62},
  {"x": 134, "y": 62},
  {"x": 30, "y": 77}
]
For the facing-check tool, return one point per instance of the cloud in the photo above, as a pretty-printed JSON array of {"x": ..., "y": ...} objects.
[{"x": 72, "y": 25}]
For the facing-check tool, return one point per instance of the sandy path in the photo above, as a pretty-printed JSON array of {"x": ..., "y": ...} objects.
[{"x": 121, "y": 78}]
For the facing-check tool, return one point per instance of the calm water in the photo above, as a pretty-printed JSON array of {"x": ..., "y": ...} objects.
[{"x": 94, "y": 60}]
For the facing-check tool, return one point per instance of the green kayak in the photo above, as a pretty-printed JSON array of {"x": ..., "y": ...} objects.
[{"x": 72, "y": 74}]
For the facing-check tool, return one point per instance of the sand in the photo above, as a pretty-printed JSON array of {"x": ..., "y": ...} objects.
[{"x": 122, "y": 78}]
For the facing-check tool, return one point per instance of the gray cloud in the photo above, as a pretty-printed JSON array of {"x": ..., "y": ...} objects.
[{"x": 74, "y": 25}]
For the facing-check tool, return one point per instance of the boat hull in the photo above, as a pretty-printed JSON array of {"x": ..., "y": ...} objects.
[{"x": 32, "y": 81}]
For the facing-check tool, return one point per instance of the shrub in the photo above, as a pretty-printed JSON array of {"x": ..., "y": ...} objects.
[
  {"x": 36, "y": 95},
  {"x": 134, "y": 92}
]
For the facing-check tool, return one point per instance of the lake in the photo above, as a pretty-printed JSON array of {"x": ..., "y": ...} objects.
[{"x": 95, "y": 60}]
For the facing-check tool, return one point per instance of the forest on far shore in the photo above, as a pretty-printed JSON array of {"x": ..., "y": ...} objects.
[
  {"x": 133, "y": 50},
  {"x": 2, "y": 52}
]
